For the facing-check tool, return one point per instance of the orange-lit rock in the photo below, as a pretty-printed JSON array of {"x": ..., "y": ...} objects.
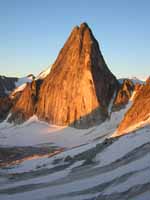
[
  {"x": 25, "y": 106},
  {"x": 78, "y": 89},
  {"x": 139, "y": 111},
  {"x": 124, "y": 94},
  {"x": 80, "y": 86}
]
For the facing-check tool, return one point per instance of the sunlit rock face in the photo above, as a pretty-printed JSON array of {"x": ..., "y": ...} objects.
[
  {"x": 139, "y": 111},
  {"x": 25, "y": 106},
  {"x": 148, "y": 81},
  {"x": 124, "y": 94},
  {"x": 80, "y": 86}
]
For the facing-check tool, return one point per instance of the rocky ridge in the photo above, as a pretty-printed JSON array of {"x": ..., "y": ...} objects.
[
  {"x": 78, "y": 89},
  {"x": 124, "y": 94},
  {"x": 140, "y": 109}
]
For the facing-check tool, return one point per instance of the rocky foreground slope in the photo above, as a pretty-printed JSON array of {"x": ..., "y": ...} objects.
[{"x": 112, "y": 169}]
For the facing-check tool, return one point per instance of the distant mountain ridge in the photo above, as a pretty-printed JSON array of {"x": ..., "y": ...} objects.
[
  {"x": 7, "y": 84},
  {"x": 135, "y": 80}
]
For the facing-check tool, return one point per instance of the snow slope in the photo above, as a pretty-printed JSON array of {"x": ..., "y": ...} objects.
[
  {"x": 44, "y": 73},
  {"x": 90, "y": 168},
  {"x": 35, "y": 132},
  {"x": 135, "y": 80},
  {"x": 21, "y": 84},
  {"x": 121, "y": 170},
  {"x": 21, "y": 81}
]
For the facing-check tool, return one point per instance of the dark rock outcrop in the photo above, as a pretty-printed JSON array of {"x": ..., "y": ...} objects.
[
  {"x": 5, "y": 106},
  {"x": 80, "y": 86},
  {"x": 7, "y": 84},
  {"x": 31, "y": 76}
]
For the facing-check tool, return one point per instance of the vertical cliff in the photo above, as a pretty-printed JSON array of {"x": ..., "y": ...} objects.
[{"x": 80, "y": 86}]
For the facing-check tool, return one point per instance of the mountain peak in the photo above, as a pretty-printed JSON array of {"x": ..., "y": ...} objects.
[
  {"x": 79, "y": 88},
  {"x": 84, "y": 25},
  {"x": 79, "y": 31}
]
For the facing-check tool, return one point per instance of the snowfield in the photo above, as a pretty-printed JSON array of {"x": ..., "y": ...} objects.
[
  {"x": 23, "y": 80},
  {"x": 44, "y": 73},
  {"x": 120, "y": 170},
  {"x": 21, "y": 84},
  {"x": 35, "y": 132},
  {"x": 90, "y": 167},
  {"x": 135, "y": 80}
]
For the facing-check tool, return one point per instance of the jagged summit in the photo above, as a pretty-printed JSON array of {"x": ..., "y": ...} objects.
[
  {"x": 77, "y": 90},
  {"x": 80, "y": 86},
  {"x": 81, "y": 26},
  {"x": 84, "y": 25}
]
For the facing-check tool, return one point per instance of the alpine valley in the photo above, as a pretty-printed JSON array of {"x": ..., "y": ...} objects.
[{"x": 75, "y": 131}]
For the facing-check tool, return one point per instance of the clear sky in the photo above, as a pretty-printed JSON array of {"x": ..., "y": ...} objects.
[{"x": 33, "y": 31}]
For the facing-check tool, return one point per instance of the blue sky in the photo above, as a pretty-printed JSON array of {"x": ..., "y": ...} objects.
[{"x": 33, "y": 31}]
